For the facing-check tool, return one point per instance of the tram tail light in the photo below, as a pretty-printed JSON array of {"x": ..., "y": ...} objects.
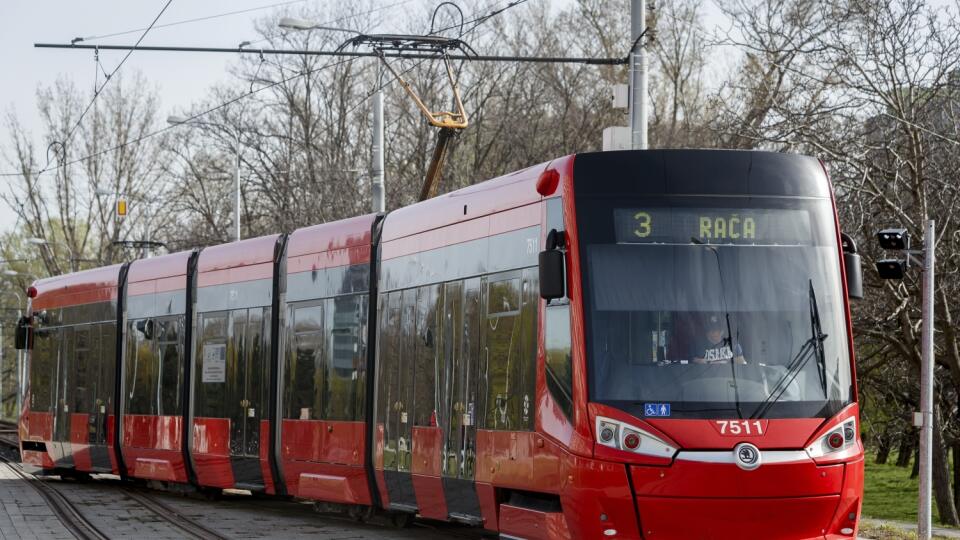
[
  {"x": 621, "y": 436},
  {"x": 840, "y": 438}
]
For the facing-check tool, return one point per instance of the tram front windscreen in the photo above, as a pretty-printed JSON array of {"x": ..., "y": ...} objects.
[{"x": 718, "y": 307}]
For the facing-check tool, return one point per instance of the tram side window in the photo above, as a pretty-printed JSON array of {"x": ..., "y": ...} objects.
[
  {"x": 559, "y": 366},
  {"x": 85, "y": 372},
  {"x": 502, "y": 350},
  {"x": 528, "y": 347},
  {"x": 361, "y": 382},
  {"x": 258, "y": 343},
  {"x": 303, "y": 364},
  {"x": 427, "y": 362},
  {"x": 342, "y": 358},
  {"x": 142, "y": 368},
  {"x": 236, "y": 355},
  {"x": 43, "y": 361},
  {"x": 108, "y": 365},
  {"x": 169, "y": 334},
  {"x": 211, "y": 361}
]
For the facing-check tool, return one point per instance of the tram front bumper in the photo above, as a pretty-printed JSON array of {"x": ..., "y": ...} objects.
[{"x": 695, "y": 499}]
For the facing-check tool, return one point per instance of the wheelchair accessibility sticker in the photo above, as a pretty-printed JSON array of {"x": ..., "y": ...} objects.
[{"x": 656, "y": 409}]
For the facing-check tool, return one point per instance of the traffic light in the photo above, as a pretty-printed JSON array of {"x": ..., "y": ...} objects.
[
  {"x": 897, "y": 239},
  {"x": 121, "y": 207}
]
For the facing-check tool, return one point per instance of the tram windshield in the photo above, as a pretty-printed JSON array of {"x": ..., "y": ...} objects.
[{"x": 715, "y": 307}]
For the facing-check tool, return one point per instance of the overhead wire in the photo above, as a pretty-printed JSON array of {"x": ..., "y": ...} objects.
[
  {"x": 202, "y": 113},
  {"x": 339, "y": 19},
  {"x": 97, "y": 91},
  {"x": 476, "y": 23},
  {"x": 186, "y": 21}
]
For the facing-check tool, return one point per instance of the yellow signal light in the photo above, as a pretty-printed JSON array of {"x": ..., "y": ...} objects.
[{"x": 121, "y": 207}]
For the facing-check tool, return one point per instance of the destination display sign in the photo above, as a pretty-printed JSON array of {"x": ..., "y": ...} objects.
[{"x": 712, "y": 226}]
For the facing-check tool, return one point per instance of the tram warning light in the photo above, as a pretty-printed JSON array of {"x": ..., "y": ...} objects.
[
  {"x": 890, "y": 268},
  {"x": 894, "y": 239},
  {"x": 897, "y": 239}
]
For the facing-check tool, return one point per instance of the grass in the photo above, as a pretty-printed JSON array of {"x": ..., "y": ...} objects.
[
  {"x": 889, "y": 492},
  {"x": 889, "y": 532}
]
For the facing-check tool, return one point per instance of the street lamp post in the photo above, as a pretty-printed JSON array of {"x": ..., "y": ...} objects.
[
  {"x": 377, "y": 192},
  {"x": 179, "y": 120},
  {"x": 899, "y": 240},
  {"x": 44, "y": 243},
  {"x": 3, "y": 357}
]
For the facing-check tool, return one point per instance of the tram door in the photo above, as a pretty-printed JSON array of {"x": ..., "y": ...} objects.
[
  {"x": 395, "y": 404},
  {"x": 461, "y": 340},
  {"x": 63, "y": 402},
  {"x": 247, "y": 382}
]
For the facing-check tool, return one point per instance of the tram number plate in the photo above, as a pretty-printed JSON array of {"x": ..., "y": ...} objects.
[{"x": 738, "y": 428}]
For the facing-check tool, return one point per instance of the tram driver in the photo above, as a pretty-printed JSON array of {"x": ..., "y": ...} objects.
[{"x": 715, "y": 349}]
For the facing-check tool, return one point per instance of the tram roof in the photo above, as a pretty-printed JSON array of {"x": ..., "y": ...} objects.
[
  {"x": 78, "y": 288},
  {"x": 345, "y": 233},
  {"x": 164, "y": 266},
  {"x": 236, "y": 254},
  {"x": 481, "y": 199}
]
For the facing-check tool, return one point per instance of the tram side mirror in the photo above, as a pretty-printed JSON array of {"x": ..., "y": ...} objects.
[
  {"x": 24, "y": 334},
  {"x": 851, "y": 263},
  {"x": 552, "y": 282}
]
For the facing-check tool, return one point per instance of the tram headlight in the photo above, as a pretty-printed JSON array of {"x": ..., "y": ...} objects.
[
  {"x": 622, "y": 436},
  {"x": 607, "y": 433},
  {"x": 839, "y": 439}
]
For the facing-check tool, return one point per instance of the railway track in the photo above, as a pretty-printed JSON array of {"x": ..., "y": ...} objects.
[
  {"x": 68, "y": 514},
  {"x": 8, "y": 435},
  {"x": 174, "y": 517},
  {"x": 73, "y": 518}
]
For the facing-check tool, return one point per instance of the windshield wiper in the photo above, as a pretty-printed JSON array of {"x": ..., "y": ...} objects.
[
  {"x": 726, "y": 313},
  {"x": 814, "y": 344}
]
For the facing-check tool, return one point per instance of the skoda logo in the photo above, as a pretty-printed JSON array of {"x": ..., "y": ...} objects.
[{"x": 746, "y": 456}]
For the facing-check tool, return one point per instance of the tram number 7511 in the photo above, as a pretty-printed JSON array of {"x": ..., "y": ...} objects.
[{"x": 741, "y": 427}]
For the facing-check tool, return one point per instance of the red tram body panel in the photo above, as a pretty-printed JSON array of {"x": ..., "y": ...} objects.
[
  {"x": 322, "y": 455},
  {"x": 67, "y": 415},
  {"x": 152, "y": 441},
  {"x": 621, "y": 345},
  {"x": 231, "y": 364}
]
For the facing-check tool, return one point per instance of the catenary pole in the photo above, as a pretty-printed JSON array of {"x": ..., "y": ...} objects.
[
  {"x": 638, "y": 76},
  {"x": 926, "y": 384},
  {"x": 236, "y": 190},
  {"x": 377, "y": 189}
]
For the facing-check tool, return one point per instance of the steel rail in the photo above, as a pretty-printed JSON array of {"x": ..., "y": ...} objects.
[
  {"x": 174, "y": 517},
  {"x": 68, "y": 514}
]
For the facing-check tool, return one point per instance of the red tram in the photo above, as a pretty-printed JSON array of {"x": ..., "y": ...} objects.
[{"x": 649, "y": 344}]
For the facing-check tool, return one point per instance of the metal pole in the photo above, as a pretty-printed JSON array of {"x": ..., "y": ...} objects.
[
  {"x": 145, "y": 251},
  {"x": 377, "y": 190},
  {"x": 236, "y": 190},
  {"x": 638, "y": 76},
  {"x": 926, "y": 384},
  {"x": 3, "y": 357}
]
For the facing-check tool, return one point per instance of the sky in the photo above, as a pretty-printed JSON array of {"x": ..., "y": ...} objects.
[{"x": 182, "y": 78}]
